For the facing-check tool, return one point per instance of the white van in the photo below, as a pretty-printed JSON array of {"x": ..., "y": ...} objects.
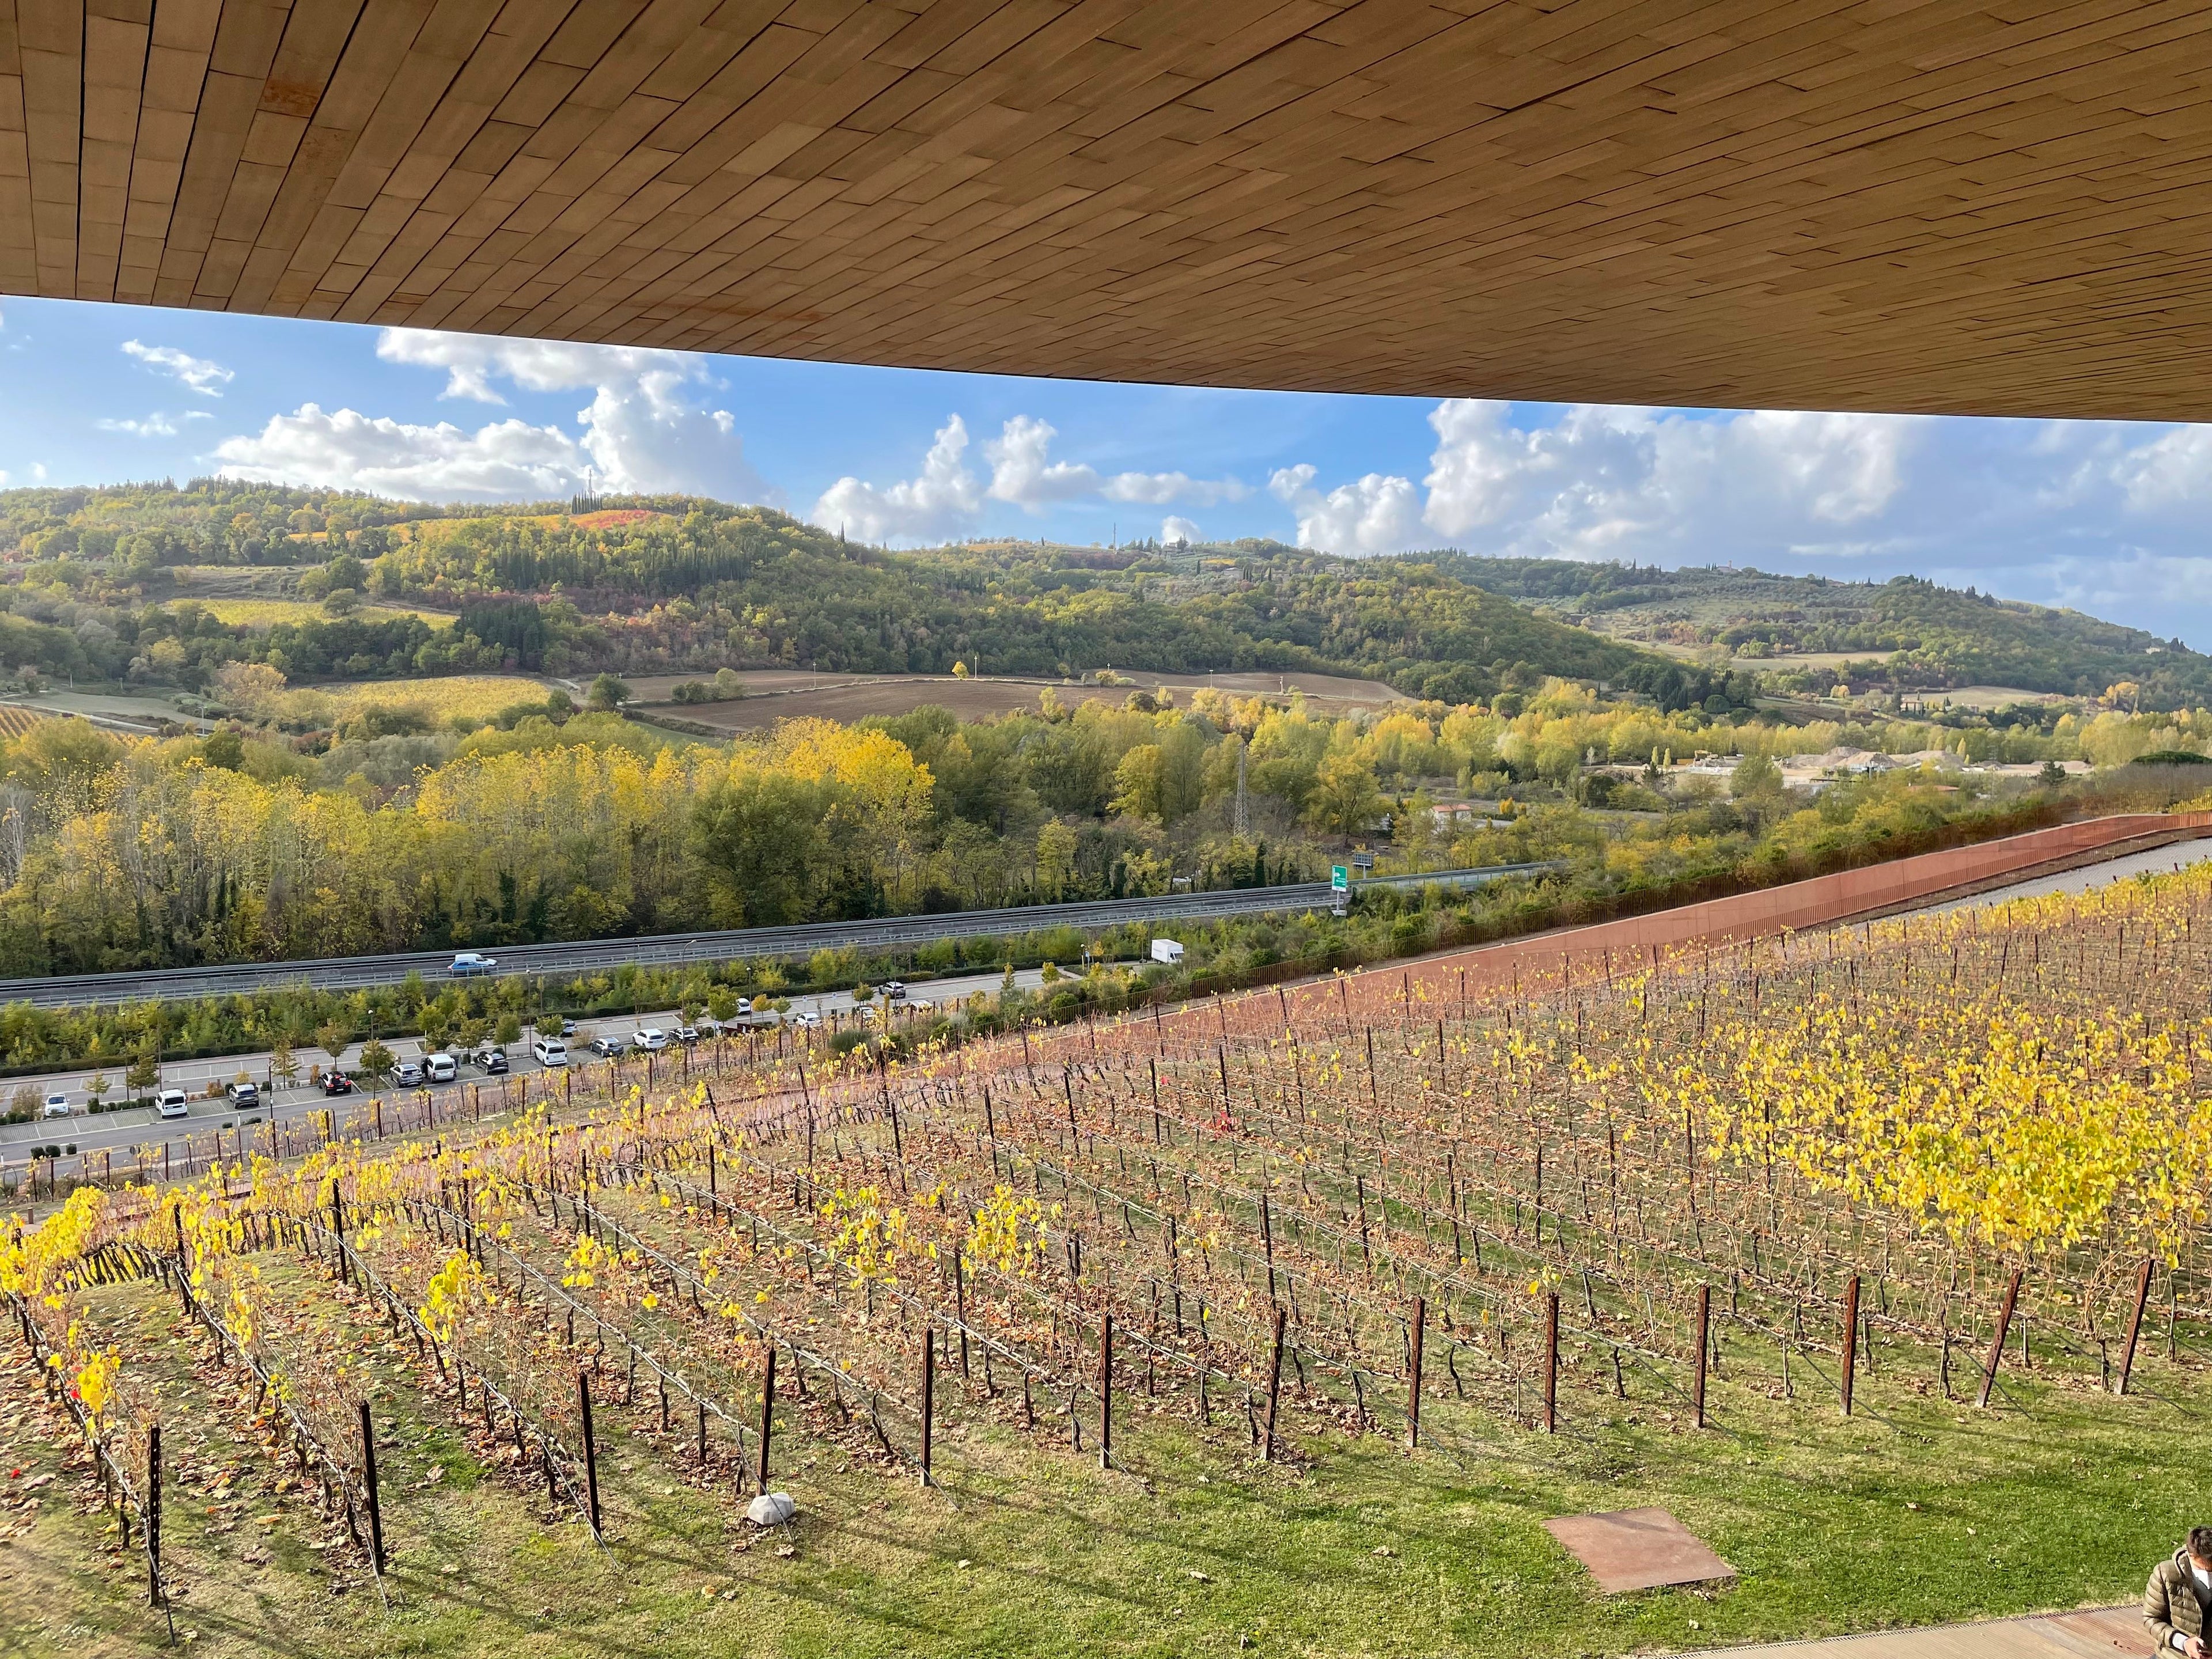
[
  {"x": 441, "y": 1068},
  {"x": 172, "y": 1102},
  {"x": 551, "y": 1051}
]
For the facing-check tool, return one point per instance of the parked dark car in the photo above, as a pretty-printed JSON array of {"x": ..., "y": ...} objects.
[
  {"x": 610, "y": 1047},
  {"x": 407, "y": 1074},
  {"x": 489, "y": 1059},
  {"x": 336, "y": 1082}
]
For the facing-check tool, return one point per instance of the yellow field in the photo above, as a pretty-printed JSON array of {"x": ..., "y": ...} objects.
[
  {"x": 438, "y": 700},
  {"x": 267, "y": 613},
  {"x": 433, "y": 530}
]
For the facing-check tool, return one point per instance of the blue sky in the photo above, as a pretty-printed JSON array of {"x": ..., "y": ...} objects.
[{"x": 2105, "y": 517}]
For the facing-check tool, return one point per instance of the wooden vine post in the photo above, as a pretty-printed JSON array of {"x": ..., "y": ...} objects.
[
  {"x": 153, "y": 1517},
  {"x": 1413, "y": 1375},
  {"x": 1704, "y": 1353},
  {"x": 2135, "y": 1326},
  {"x": 929, "y": 1401},
  {"x": 1850, "y": 1339},
  {"x": 1997, "y": 1342},
  {"x": 368, "y": 1480},
  {"x": 768, "y": 1408},
  {"x": 1551, "y": 1362},
  {"x": 591, "y": 1449},
  {"x": 1106, "y": 1392}
]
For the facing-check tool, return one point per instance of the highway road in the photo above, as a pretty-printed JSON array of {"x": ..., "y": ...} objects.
[{"x": 591, "y": 956}]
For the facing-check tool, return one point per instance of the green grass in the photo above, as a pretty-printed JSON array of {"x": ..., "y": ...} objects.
[{"x": 1917, "y": 1512}]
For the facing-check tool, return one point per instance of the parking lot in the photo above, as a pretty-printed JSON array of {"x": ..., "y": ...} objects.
[{"x": 89, "y": 1132}]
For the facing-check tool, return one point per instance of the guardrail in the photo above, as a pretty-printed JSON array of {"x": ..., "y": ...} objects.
[{"x": 584, "y": 956}]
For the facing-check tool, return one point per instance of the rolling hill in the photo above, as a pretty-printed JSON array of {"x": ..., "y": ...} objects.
[
  {"x": 1906, "y": 633},
  {"x": 102, "y": 583}
]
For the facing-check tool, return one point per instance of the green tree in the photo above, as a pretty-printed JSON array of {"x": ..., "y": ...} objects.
[
  {"x": 1757, "y": 778},
  {"x": 282, "y": 1065},
  {"x": 375, "y": 1060},
  {"x": 332, "y": 1036},
  {"x": 1055, "y": 857},
  {"x": 762, "y": 840},
  {"x": 607, "y": 692},
  {"x": 1138, "y": 782},
  {"x": 1344, "y": 798},
  {"x": 507, "y": 1029},
  {"x": 721, "y": 1004},
  {"x": 145, "y": 1073}
]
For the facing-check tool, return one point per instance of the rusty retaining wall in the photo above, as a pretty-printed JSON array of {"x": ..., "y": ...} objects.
[{"x": 1869, "y": 889}]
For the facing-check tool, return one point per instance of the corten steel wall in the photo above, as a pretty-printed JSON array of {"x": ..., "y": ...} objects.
[{"x": 1633, "y": 941}]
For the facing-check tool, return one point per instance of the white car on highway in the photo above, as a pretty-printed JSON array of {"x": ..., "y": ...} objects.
[
  {"x": 549, "y": 1051},
  {"x": 471, "y": 961}
]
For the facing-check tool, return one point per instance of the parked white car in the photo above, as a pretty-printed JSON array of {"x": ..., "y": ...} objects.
[
  {"x": 651, "y": 1039},
  {"x": 57, "y": 1106},
  {"x": 172, "y": 1102},
  {"x": 441, "y": 1068},
  {"x": 549, "y": 1051}
]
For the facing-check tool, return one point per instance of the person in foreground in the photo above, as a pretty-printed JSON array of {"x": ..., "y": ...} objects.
[{"x": 2176, "y": 1601}]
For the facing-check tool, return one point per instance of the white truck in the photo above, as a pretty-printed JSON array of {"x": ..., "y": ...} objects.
[{"x": 1167, "y": 950}]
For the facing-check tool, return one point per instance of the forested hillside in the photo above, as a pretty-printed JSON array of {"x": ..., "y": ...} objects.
[
  {"x": 1911, "y": 633},
  {"x": 104, "y": 580}
]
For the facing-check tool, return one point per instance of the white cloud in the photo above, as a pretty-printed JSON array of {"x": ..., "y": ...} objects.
[
  {"x": 2173, "y": 469},
  {"x": 198, "y": 372},
  {"x": 641, "y": 433},
  {"x": 1603, "y": 482},
  {"x": 1162, "y": 489},
  {"x": 156, "y": 425},
  {"x": 943, "y": 502},
  {"x": 1022, "y": 473},
  {"x": 1378, "y": 513},
  {"x": 511, "y": 460},
  {"x": 470, "y": 362},
  {"x": 1174, "y": 529}
]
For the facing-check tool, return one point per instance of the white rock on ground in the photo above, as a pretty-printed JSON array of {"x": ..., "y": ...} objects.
[{"x": 771, "y": 1508}]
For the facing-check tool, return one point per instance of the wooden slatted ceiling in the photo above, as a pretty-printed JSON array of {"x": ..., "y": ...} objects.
[{"x": 1993, "y": 206}]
